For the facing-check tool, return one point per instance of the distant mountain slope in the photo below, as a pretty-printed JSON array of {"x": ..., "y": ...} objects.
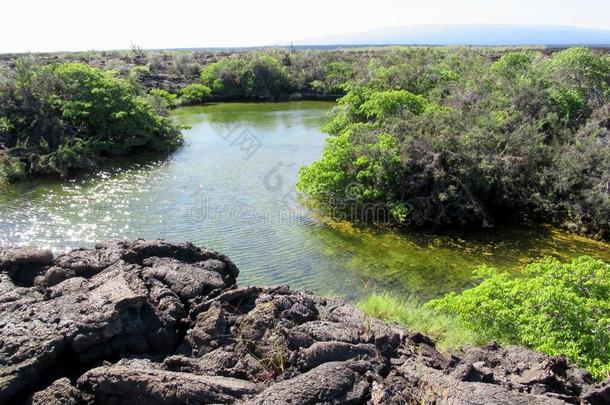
[{"x": 475, "y": 34}]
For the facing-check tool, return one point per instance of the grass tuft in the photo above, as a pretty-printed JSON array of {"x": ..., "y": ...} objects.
[{"x": 447, "y": 331}]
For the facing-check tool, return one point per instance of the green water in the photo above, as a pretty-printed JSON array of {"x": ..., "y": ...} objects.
[{"x": 231, "y": 187}]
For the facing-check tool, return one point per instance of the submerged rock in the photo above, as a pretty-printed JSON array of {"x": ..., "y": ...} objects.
[{"x": 155, "y": 322}]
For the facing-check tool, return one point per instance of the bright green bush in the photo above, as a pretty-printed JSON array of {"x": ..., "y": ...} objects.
[
  {"x": 362, "y": 105},
  {"x": 5, "y": 126},
  {"x": 556, "y": 308},
  {"x": 366, "y": 174},
  {"x": 513, "y": 64},
  {"x": 347, "y": 112},
  {"x": 569, "y": 101},
  {"x": 169, "y": 97},
  {"x": 105, "y": 107},
  {"x": 579, "y": 67},
  {"x": 68, "y": 116},
  {"x": 195, "y": 93},
  {"x": 255, "y": 76},
  {"x": 382, "y": 104}
]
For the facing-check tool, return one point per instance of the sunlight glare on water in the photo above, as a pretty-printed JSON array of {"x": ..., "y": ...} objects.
[{"x": 231, "y": 188}]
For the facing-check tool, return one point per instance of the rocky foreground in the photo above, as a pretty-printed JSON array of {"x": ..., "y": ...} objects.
[{"x": 154, "y": 322}]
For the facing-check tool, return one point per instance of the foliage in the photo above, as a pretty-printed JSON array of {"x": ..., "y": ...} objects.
[
  {"x": 185, "y": 65},
  {"x": 256, "y": 76},
  {"x": 447, "y": 330},
  {"x": 559, "y": 309},
  {"x": 195, "y": 93},
  {"x": 169, "y": 98},
  {"x": 139, "y": 73},
  {"x": 68, "y": 116},
  {"x": 375, "y": 168},
  {"x": 11, "y": 168},
  {"x": 383, "y": 104},
  {"x": 475, "y": 140},
  {"x": 513, "y": 64},
  {"x": 479, "y": 135},
  {"x": 334, "y": 78}
]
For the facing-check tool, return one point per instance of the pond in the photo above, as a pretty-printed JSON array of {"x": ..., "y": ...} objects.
[{"x": 232, "y": 187}]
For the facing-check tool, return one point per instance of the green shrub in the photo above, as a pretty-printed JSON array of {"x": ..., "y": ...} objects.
[
  {"x": 474, "y": 138},
  {"x": 334, "y": 79},
  {"x": 169, "y": 98},
  {"x": 556, "y": 308},
  {"x": 5, "y": 126},
  {"x": 514, "y": 64},
  {"x": 163, "y": 97},
  {"x": 255, "y": 76},
  {"x": 11, "y": 168},
  {"x": 355, "y": 176},
  {"x": 68, "y": 116},
  {"x": 195, "y": 93},
  {"x": 104, "y": 107},
  {"x": 569, "y": 101},
  {"x": 581, "y": 68},
  {"x": 322, "y": 72},
  {"x": 347, "y": 112},
  {"x": 382, "y": 104}
]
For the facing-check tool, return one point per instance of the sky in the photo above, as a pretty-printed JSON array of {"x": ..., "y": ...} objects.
[{"x": 71, "y": 25}]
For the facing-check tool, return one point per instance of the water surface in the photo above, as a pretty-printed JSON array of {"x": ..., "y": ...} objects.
[{"x": 231, "y": 187}]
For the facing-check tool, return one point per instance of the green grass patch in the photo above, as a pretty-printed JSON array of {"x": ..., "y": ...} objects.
[{"x": 447, "y": 330}]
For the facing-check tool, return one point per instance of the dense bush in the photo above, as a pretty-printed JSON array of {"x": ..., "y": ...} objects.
[
  {"x": 68, "y": 116},
  {"x": 558, "y": 309},
  {"x": 195, "y": 93},
  {"x": 456, "y": 138},
  {"x": 169, "y": 99},
  {"x": 253, "y": 76}
]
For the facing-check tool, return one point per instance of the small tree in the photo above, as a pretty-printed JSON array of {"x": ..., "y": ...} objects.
[{"x": 137, "y": 50}]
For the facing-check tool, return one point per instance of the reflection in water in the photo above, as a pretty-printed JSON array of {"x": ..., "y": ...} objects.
[{"x": 231, "y": 187}]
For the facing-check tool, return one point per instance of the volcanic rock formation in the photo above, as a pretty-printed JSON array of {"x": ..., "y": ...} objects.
[{"x": 160, "y": 323}]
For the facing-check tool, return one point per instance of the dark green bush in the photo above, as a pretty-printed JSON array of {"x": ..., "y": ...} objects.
[
  {"x": 334, "y": 79},
  {"x": 474, "y": 141},
  {"x": 324, "y": 72},
  {"x": 68, "y": 116},
  {"x": 254, "y": 76}
]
